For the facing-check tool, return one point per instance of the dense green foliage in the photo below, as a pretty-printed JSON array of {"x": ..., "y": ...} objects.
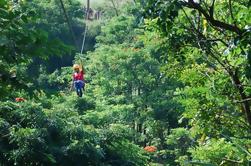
[
  {"x": 170, "y": 74},
  {"x": 208, "y": 50}
]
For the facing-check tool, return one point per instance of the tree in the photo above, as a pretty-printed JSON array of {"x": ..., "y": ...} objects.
[
  {"x": 20, "y": 42},
  {"x": 217, "y": 36},
  {"x": 208, "y": 52}
]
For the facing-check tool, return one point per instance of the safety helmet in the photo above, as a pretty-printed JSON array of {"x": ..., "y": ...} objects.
[{"x": 76, "y": 66}]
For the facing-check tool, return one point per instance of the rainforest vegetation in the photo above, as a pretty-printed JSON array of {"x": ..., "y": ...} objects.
[{"x": 167, "y": 83}]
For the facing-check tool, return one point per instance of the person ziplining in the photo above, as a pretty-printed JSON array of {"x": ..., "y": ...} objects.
[
  {"x": 78, "y": 79},
  {"x": 78, "y": 76}
]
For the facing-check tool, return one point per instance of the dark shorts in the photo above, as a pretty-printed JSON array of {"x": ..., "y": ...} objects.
[{"x": 79, "y": 84}]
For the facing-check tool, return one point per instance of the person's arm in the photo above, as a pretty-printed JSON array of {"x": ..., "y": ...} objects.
[
  {"x": 81, "y": 67},
  {"x": 83, "y": 70}
]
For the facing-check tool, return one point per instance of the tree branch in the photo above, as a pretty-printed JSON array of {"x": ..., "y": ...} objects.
[
  {"x": 218, "y": 40},
  {"x": 225, "y": 64},
  {"x": 208, "y": 49},
  {"x": 193, "y": 5},
  {"x": 231, "y": 12},
  {"x": 241, "y": 101},
  {"x": 233, "y": 161},
  {"x": 211, "y": 10},
  {"x": 114, "y": 7}
]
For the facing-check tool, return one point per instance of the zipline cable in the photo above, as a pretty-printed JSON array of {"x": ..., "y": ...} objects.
[
  {"x": 86, "y": 27},
  {"x": 70, "y": 25}
]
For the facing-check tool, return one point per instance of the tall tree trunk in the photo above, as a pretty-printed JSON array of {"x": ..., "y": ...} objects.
[{"x": 244, "y": 102}]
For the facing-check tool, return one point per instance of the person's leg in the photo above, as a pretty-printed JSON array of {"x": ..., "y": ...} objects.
[
  {"x": 79, "y": 88},
  {"x": 80, "y": 92},
  {"x": 76, "y": 87},
  {"x": 81, "y": 83}
]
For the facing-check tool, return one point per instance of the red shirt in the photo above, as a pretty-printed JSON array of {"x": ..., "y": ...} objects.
[{"x": 78, "y": 76}]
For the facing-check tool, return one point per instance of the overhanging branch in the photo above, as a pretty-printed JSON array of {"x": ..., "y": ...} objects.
[{"x": 210, "y": 18}]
